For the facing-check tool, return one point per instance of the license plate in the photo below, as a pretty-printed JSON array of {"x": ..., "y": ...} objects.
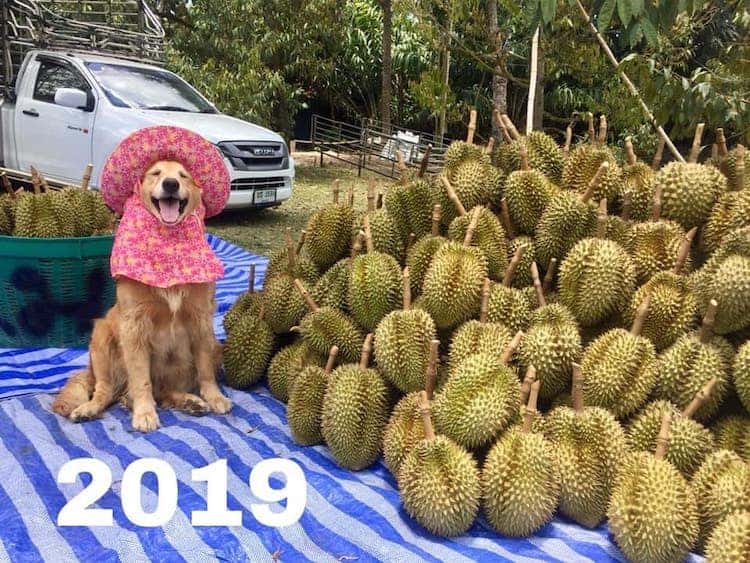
[{"x": 264, "y": 196}]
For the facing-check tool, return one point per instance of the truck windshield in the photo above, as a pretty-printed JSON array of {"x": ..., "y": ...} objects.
[{"x": 147, "y": 88}]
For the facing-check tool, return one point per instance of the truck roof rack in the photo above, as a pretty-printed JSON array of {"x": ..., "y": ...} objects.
[{"x": 121, "y": 28}]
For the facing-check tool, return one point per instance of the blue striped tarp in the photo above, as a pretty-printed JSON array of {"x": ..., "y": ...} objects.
[{"x": 349, "y": 516}]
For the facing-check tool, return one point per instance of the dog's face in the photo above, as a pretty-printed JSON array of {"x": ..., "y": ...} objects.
[{"x": 169, "y": 192}]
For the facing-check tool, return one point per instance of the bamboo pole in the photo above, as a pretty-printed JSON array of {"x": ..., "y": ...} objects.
[{"x": 532, "y": 81}]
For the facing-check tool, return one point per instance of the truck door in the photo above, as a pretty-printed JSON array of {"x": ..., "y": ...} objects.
[{"x": 53, "y": 138}]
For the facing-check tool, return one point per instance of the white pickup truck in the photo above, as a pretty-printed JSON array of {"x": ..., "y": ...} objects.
[{"x": 72, "y": 108}]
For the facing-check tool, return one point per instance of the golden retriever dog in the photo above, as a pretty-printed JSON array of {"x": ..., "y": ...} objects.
[{"x": 155, "y": 346}]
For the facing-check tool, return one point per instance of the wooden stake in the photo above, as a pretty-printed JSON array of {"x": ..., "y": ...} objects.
[
  {"x": 407, "y": 290},
  {"x": 576, "y": 393},
  {"x": 475, "y": 214},
  {"x": 485, "y": 305},
  {"x": 86, "y": 178},
  {"x": 530, "y": 412},
  {"x": 336, "y": 190},
  {"x": 640, "y": 316},
  {"x": 424, "y": 410},
  {"x": 511, "y": 348},
  {"x": 331, "y": 360},
  {"x": 460, "y": 209},
  {"x": 696, "y": 148},
  {"x": 472, "y": 126},
  {"x": 437, "y": 212},
  {"x": 312, "y": 305},
  {"x": 537, "y": 285},
  {"x": 700, "y": 398},
  {"x": 368, "y": 234},
  {"x": 505, "y": 219},
  {"x": 629, "y": 152},
  {"x": 432, "y": 368},
  {"x": 595, "y": 181},
  {"x": 549, "y": 277},
  {"x": 684, "y": 250},
  {"x": 662, "y": 440},
  {"x": 527, "y": 382},
  {"x": 425, "y": 161},
  {"x": 513, "y": 264},
  {"x": 601, "y": 219},
  {"x": 709, "y": 320},
  {"x": 364, "y": 358},
  {"x": 658, "y": 155}
]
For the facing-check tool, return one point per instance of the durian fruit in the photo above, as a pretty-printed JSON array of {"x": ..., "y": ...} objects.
[
  {"x": 386, "y": 236},
  {"x": 722, "y": 486},
  {"x": 459, "y": 152},
  {"x": 597, "y": 280},
  {"x": 551, "y": 344},
  {"x": 7, "y": 206},
  {"x": 329, "y": 232},
  {"x": 690, "y": 363},
  {"x": 419, "y": 256},
  {"x": 589, "y": 444},
  {"x": 305, "y": 408},
  {"x": 638, "y": 178},
  {"x": 452, "y": 287},
  {"x": 508, "y": 305},
  {"x": 653, "y": 513},
  {"x": 690, "y": 442},
  {"x": 673, "y": 304},
  {"x": 741, "y": 374},
  {"x": 29, "y": 209},
  {"x": 472, "y": 181},
  {"x": 409, "y": 206},
  {"x": 489, "y": 235},
  {"x": 734, "y": 165},
  {"x": 247, "y": 350},
  {"x": 527, "y": 192},
  {"x": 404, "y": 428},
  {"x": 729, "y": 541},
  {"x": 731, "y": 212},
  {"x": 478, "y": 335},
  {"x": 733, "y": 433},
  {"x": 402, "y": 343},
  {"x": 620, "y": 368},
  {"x": 479, "y": 399},
  {"x": 325, "y": 327},
  {"x": 285, "y": 367},
  {"x": 355, "y": 411},
  {"x": 439, "y": 482},
  {"x": 520, "y": 478},
  {"x": 332, "y": 288},
  {"x": 290, "y": 260},
  {"x": 374, "y": 284},
  {"x": 247, "y": 303},
  {"x": 543, "y": 154}
]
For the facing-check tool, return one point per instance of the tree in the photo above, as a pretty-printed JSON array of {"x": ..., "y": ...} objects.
[{"x": 387, "y": 70}]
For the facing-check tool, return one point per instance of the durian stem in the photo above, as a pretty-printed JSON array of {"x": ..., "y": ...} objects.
[
  {"x": 351, "y": 196},
  {"x": 86, "y": 178},
  {"x": 524, "y": 155},
  {"x": 501, "y": 124},
  {"x": 432, "y": 367},
  {"x": 290, "y": 249},
  {"x": 576, "y": 392},
  {"x": 656, "y": 162},
  {"x": 511, "y": 348},
  {"x": 511, "y": 128},
  {"x": 301, "y": 241},
  {"x": 505, "y": 219},
  {"x": 251, "y": 278},
  {"x": 662, "y": 440},
  {"x": 629, "y": 152},
  {"x": 656, "y": 208},
  {"x": 513, "y": 264},
  {"x": 407, "y": 290},
  {"x": 568, "y": 140},
  {"x": 35, "y": 181},
  {"x": 364, "y": 359},
  {"x": 601, "y": 219},
  {"x": 715, "y": 152},
  {"x": 336, "y": 190},
  {"x": 43, "y": 180},
  {"x": 595, "y": 181},
  {"x": 312, "y": 305},
  {"x": 472, "y": 225},
  {"x": 368, "y": 234},
  {"x": 490, "y": 146},
  {"x": 485, "y": 305},
  {"x": 528, "y": 380},
  {"x": 370, "y": 195},
  {"x": 379, "y": 204},
  {"x": 472, "y": 126},
  {"x": 262, "y": 311},
  {"x": 357, "y": 244},
  {"x": 602, "y": 130},
  {"x": 700, "y": 398},
  {"x": 721, "y": 140},
  {"x": 684, "y": 250},
  {"x": 549, "y": 276},
  {"x": 592, "y": 133},
  {"x": 425, "y": 161},
  {"x": 709, "y": 319},
  {"x": 424, "y": 410},
  {"x": 437, "y": 212},
  {"x": 641, "y": 315},
  {"x": 6, "y": 184},
  {"x": 537, "y": 284},
  {"x": 739, "y": 168},
  {"x": 400, "y": 162},
  {"x": 460, "y": 209},
  {"x": 697, "y": 138},
  {"x": 530, "y": 412},
  {"x": 627, "y": 205},
  {"x": 331, "y": 360}
]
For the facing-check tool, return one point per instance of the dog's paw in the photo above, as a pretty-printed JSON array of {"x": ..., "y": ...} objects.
[
  {"x": 194, "y": 406},
  {"x": 145, "y": 420},
  {"x": 87, "y": 411},
  {"x": 219, "y": 403}
]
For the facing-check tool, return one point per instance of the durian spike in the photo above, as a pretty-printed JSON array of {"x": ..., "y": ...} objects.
[
  {"x": 379, "y": 204},
  {"x": 656, "y": 162},
  {"x": 528, "y": 379},
  {"x": 368, "y": 234},
  {"x": 251, "y": 279},
  {"x": 490, "y": 146},
  {"x": 511, "y": 128},
  {"x": 424, "y": 410},
  {"x": 576, "y": 392},
  {"x": 432, "y": 368},
  {"x": 485, "y": 305},
  {"x": 513, "y": 264},
  {"x": 410, "y": 241},
  {"x": 707, "y": 325},
  {"x": 86, "y": 178},
  {"x": 511, "y": 348},
  {"x": 697, "y": 138},
  {"x": 501, "y": 124},
  {"x": 530, "y": 412},
  {"x": 35, "y": 181},
  {"x": 331, "y": 360},
  {"x": 629, "y": 152},
  {"x": 684, "y": 250},
  {"x": 357, "y": 244},
  {"x": 656, "y": 207},
  {"x": 475, "y": 214},
  {"x": 505, "y": 219},
  {"x": 460, "y": 209},
  {"x": 364, "y": 359},
  {"x": 6, "y": 184},
  {"x": 602, "y": 130},
  {"x": 568, "y": 140},
  {"x": 407, "y": 290},
  {"x": 640, "y": 316},
  {"x": 472, "y": 126},
  {"x": 721, "y": 141},
  {"x": 336, "y": 190},
  {"x": 592, "y": 133},
  {"x": 437, "y": 212},
  {"x": 371, "y": 195},
  {"x": 627, "y": 205},
  {"x": 523, "y": 153},
  {"x": 549, "y": 276},
  {"x": 425, "y": 161},
  {"x": 700, "y": 398},
  {"x": 312, "y": 305},
  {"x": 662, "y": 440},
  {"x": 290, "y": 248},
  {"x": 350, "y": 203},
  {"x": 601, "y": 219},
  {"x": 537, "y": 284},
  {"x": 739, "y": 169},
  {"x": 595, "y": 181},
  {"x": 301, "y": 241}
]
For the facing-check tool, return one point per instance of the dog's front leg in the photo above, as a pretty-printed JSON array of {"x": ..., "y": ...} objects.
[
  {"x": 205, "y": 363},
  {"x": 136, "y": 354}
]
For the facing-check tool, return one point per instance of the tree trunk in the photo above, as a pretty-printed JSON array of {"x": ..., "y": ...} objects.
[
  {"x": 499, "y": 82},
  {"x": 387, "y": 70},
  {"x": 446, "y": 71}
]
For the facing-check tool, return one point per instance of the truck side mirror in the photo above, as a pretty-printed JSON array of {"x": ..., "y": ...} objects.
[{"x": 72, "y": 98}]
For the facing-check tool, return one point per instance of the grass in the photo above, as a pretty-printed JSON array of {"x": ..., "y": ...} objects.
[{"x": 262, "y": 231}]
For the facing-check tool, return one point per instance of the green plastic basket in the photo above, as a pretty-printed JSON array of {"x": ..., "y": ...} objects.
[{"x": 51, "y": 290}]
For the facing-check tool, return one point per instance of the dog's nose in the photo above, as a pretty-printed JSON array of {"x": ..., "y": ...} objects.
[{"x": 170, "y": 185}]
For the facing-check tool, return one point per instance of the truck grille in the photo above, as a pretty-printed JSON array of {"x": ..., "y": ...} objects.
[
  {"x": 257, "y": 183},
  {"x": 255, "y": 155}
]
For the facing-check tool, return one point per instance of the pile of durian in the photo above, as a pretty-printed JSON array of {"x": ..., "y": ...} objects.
[
  {"x": 534, "y": 330},
  {"x": 50, "y": 213}
]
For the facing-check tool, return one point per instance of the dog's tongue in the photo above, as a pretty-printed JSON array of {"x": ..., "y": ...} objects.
[{"x": 169, "y": 209}]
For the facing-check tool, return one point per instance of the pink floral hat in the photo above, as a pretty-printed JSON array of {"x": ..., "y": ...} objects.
[{"x": 139, "y": 150}]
